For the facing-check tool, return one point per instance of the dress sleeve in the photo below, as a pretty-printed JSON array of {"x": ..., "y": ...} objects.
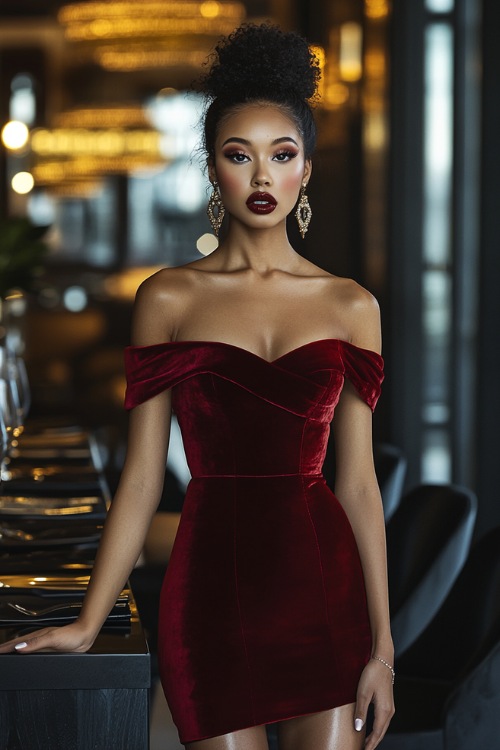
[
  {"x": 149, "y": 371},
  {"x": 365, "y": 370}
]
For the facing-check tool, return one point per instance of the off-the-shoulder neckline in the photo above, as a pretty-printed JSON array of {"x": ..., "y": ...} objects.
[{"x": 296, "y": 349}]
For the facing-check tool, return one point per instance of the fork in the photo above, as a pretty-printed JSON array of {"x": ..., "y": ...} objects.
[{"x": 54, "y": 608}]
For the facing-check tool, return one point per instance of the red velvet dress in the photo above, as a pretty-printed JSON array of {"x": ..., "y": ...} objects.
[{"x": 263, "y": 612}]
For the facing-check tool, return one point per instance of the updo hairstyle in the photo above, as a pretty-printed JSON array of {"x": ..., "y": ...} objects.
[{"x": 261, "y": 64}]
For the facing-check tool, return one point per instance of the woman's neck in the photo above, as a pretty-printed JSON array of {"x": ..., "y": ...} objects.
[{"x": 260, "y": 250}]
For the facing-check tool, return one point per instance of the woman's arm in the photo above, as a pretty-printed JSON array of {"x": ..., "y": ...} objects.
[
  {"x": 134, "y": 504},
  {"x": 357, "y": 489}
]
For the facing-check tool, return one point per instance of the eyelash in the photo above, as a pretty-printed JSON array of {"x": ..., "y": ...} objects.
[
  {"x": 289, "y": 155},
  {"x": 233, "y": 156}
]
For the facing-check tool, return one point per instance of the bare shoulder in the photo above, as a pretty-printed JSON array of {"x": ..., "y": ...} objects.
[
  {"x": 159, "y": 305},
  {"x": 359, "y": 310}
]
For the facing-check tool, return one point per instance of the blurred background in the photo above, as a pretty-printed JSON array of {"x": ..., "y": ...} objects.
[{"x": 100, "y": 147}]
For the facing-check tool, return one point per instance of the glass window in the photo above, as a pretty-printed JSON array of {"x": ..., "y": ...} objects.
[
  {"x": 440, "y": 6},
  {"x": 437, "y": 279}
]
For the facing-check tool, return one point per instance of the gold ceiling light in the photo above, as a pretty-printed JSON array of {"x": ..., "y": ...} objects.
[
  {"x": 109, "y": 116},
  {"x": 125, "y": 35},
  {"x": 81, "y": 156}
]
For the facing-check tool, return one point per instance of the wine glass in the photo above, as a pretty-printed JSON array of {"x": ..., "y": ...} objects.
[
  {"x": 6, "y": 436},
  {"x": 11, "y": 410},
  {"x": 9, "y": 372}
]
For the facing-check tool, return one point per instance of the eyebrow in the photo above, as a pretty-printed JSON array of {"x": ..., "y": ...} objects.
[{"x": 244, "y": 142}]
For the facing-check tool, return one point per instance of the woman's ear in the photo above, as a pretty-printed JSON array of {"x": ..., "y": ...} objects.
[
  {"x": 211, "y": 171},
  {"x": 307, "y": 171}
]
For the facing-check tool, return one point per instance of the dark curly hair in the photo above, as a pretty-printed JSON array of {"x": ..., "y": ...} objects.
[{"x": 261, "y": 63}]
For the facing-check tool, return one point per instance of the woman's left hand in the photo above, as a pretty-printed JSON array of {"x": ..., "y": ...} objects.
[{"x": 375, "y": 686}]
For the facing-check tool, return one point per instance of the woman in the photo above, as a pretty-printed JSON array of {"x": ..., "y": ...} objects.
[{"x": 274, "y": 606}]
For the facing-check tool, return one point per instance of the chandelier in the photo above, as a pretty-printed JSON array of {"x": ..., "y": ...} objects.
[{"x": 130, "y": 35}]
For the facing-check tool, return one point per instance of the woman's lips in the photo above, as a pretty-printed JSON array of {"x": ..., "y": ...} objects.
[{"x": 261, "y": 203}]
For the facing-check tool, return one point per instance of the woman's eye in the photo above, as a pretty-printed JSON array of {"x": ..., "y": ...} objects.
[
  {"x": 285, "y": 155},
  {"x": 236, "y": 156}
]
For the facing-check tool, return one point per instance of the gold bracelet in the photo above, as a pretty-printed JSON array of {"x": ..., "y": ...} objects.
[{"x": 386, "y": 664}]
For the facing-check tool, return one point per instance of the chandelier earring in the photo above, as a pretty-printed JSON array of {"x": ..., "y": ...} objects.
[
  {"x": 303, "y": 213},
  {"x": 215, "y": 209}
]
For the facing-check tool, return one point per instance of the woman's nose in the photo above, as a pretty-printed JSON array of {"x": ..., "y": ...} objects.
[{"x": 261, "y": 177}]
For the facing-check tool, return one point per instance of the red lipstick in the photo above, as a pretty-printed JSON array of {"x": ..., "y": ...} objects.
[{"x": 261, "y": 203}]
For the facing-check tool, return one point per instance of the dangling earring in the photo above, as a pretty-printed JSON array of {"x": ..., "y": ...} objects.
[
  {"x": 303, "y": 213},
  {"x": 215, "y": 209}
]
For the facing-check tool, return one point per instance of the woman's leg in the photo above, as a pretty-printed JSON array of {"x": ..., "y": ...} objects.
[
  {"x": 326, "y": 730},
  {"x": 253, "y": 738}
]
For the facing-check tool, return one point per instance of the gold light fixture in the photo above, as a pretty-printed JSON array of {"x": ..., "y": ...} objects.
[
  {"x": 106, "y": 143},
  {"x": 79, "y": 154},
  {"x": 109, "y": 116},
  {"x": 92, "y": 142},
  {"x": 127, "y": 35}
]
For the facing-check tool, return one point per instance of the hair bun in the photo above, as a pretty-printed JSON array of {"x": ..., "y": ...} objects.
[{"x": 260, "y": 61}]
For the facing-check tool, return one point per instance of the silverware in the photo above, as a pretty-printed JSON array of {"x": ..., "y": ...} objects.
[
  {"x": 47, "y": 505},
  {"x": 27, "y": 583},
  {"x": 45, "y": 611},
  {"x": 15, "y": 534},
  {"x": 54, "y": 608}
]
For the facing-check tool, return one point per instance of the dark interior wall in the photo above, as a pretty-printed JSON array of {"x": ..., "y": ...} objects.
[
  {"x": 488, "y": 392},
  {"x": 333, "y": 241},
  {"x": 403, "y": 347}
]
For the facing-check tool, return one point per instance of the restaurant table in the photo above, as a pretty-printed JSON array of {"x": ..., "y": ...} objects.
[
  {"x": 93, "y": 701},
  {"x": 98, "y": 700}
]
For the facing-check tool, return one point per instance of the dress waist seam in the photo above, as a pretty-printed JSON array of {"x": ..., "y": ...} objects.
[{"x": 258, "y": 476}]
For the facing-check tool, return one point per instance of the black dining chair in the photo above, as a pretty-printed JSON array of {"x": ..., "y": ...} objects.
[
  {"x": 390, "y": 468},
  {"x": 447, "y": 689},
  {"x": 428, "y": 539}
]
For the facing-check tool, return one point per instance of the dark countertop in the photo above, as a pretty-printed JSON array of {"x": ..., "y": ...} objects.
[{"x": 119, "y": 658}]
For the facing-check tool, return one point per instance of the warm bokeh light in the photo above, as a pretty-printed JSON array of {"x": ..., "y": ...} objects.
[
  {"x": 88, "y": 11},
  {"x": 351, "y": 39},
  {"x": 124, "y": 285},
  {"x": 22, "y": 183},
  {"x": 336, "y": 94},
  {"x": 111, "y": 116},
  {"x": 376, "y": 8},
  {"x": 82, "y": 168},
  {"x": 207, "y": 243},
  {"x": 83, "y": 142},
  {"x": 15, "y": 135},
  {"x": 141, "y": 57},
  {"x": 375, "y": 64},
  {"x": 126, "y": 35},
  {"x": 210, "y": 9},
  {"x": 104, "y": 20},
  {"x": 375, "y": 131}
]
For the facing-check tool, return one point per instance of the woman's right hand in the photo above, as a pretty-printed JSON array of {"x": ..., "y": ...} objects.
[{"x": 72, "y": 638}]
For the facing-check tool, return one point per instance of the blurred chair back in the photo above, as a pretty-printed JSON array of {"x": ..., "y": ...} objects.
[
  {"x": 468, "y": 622},
  {"x": 448, "y": 685},
  {"x": 473, "y": 712},
  {"x": 428, "y": 539},
  {"x": 390, "y": 468}
]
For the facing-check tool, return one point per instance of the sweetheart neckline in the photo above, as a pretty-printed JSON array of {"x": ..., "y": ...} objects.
[{"x": 257, "y": 356}]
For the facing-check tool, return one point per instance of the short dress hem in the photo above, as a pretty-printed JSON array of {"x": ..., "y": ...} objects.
[{"x": 269, "y": 722}]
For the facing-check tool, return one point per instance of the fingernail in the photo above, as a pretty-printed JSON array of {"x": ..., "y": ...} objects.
[
  {"x": 358, "y": 724},
  {"x": 19, "y": 646}
]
